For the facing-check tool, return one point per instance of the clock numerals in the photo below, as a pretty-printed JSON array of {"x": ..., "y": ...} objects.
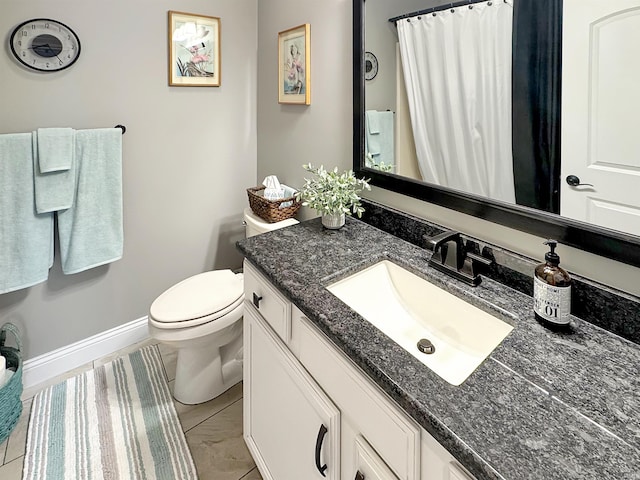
[{"x": 45, "y": 45}]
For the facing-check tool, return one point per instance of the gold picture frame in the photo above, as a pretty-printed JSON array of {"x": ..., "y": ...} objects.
[
  {"x": 294, "y": 65},
  {"x": 194, "y": 50}
]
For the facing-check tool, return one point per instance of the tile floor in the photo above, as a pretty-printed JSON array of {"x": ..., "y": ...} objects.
[{"x": 213, "y": 429}]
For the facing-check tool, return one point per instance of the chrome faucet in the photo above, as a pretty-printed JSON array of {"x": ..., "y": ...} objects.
[{"x": 450, "y": 256}]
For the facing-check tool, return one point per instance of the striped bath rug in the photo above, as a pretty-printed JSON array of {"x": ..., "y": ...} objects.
[{"x": 115, "y": 422}]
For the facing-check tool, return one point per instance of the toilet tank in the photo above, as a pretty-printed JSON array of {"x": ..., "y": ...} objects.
[{"x": 255, "y": 225}]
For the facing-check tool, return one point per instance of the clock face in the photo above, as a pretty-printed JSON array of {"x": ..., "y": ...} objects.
[
  {"x": 45, "y": 45},
  {"x": 370, "y": 66}
]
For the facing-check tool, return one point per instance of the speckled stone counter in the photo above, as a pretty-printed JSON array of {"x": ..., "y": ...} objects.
[{"x": 544, "y": 405}]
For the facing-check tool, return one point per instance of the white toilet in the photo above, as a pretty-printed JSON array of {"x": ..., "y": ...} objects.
[{"x": 201, "y": 317}]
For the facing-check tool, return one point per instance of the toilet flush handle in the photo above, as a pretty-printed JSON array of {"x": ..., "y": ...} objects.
[{"x": 256, "y": 299}]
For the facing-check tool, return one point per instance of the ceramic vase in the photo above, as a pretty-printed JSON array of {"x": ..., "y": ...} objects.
[{"x": 333, "y": 221}]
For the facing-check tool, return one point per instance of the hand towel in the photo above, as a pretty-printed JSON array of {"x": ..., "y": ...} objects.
[
  {"x": 91, "y": 231},
  {"x": 381, "y": 145},
  {"x": 385, "y": 138},
  {"x": 373, "y": 125},
  {"x": 372, "y": 132},
  {"x": 54, "y": 189},
  {"x": 287, "y": 192},
  {"x": 55, "y": 149},
  {"x": 26, "y": 238}
]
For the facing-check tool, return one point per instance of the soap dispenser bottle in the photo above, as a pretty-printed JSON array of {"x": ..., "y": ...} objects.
[{"x": 552, "y": 290}]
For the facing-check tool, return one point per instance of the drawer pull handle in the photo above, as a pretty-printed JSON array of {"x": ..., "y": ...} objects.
[
  {"x": 256, "y": 299},
  {"x": 321, "y": 433},
  {"x": 359, "y": 476}
]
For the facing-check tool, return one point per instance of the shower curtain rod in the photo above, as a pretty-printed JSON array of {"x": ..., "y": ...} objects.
[{"x": 439, "y": 8}]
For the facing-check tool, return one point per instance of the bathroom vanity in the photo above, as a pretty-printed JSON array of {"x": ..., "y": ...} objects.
[
  {"x": 311, "y": 412},
  {"x": 328, "y": 395}
]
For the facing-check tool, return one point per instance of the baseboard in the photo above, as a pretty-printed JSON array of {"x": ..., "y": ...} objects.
[{"x": 49, "y": 365}]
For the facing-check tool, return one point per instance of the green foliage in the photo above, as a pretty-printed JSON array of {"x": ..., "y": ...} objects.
[
  {"x": 333, "y": 192},
  {"x": 383, "y": 167}
]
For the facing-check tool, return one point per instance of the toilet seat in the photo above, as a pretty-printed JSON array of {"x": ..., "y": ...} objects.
[{"x": 197, "y": 300}]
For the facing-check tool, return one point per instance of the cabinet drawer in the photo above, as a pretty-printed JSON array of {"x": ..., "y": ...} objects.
[
  {"x": 273, "y": 307},
  {"x": 393, "y": 435}
]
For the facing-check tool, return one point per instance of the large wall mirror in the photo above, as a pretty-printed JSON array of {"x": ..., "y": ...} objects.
[{"x": 473, "y": 106}]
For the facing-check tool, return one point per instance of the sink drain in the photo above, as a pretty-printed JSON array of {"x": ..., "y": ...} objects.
[{"x": 425, "y": 346}]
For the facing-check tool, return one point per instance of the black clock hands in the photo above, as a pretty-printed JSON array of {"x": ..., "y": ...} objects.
[{"x": 46, "y": 45}]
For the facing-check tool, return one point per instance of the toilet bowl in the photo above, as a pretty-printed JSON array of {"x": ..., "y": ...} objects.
[{"x": 201, "y": 317}]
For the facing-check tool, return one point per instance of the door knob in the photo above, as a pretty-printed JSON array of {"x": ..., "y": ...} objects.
[{"x": 575, "y": 182}]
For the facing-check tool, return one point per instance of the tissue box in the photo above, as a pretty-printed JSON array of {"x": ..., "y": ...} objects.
[{"x": 272, "y": 210}]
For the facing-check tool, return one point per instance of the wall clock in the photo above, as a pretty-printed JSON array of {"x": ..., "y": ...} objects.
[
  {"x": 45, "y": 45},
  {"x": 370, "y": 66}
]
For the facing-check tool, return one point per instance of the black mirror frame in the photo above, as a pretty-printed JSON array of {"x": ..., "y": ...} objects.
[{"x": 608, "y": 243}]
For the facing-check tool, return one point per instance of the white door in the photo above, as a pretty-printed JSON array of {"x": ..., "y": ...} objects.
[
  {"x": 291, "y": 428},
  {"x": 600, "y": 109}
]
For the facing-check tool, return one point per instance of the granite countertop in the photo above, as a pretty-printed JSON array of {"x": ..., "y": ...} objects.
[{"x": 544, "y": 405}]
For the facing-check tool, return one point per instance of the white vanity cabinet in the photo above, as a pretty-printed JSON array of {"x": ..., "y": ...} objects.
[{"x": 296, "y": 382}]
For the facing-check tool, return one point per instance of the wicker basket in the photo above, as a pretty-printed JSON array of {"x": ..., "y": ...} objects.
[
  {"x": 10, "y": 403},
  {"x": 270, "y": 210}
]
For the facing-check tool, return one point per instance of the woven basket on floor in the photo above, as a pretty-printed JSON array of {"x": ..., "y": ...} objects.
[
  {"x": 10, "y": 403},
  {"x": 270, "y": 210}
]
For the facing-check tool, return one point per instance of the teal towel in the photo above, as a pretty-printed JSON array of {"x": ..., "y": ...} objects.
[
  {"x": 26, "y": 238},
  {"x": 373, "y": 126},
  {"x": 380, "y": 145},
  {"x": 55, "y": 149},
  {"x": 91, "y": 231},
  {"x": 54, "y": 189}
]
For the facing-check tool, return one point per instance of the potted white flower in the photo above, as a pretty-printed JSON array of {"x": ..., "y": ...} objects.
[{"x": 333, "y": 194}]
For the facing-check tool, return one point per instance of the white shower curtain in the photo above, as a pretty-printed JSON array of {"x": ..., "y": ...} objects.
[{"x": 457, "y": 69}]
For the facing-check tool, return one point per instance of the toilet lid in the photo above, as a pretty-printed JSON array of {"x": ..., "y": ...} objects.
[{"x": 198, "y": 296}]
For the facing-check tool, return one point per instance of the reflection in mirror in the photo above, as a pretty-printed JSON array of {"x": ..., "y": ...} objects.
[
  {"x": 452, "y": 98},
  {"x": 465, "y": 112}
]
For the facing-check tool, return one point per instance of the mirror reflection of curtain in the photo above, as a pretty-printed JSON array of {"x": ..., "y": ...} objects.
[
  {"x": 457, "y": 70},
  {"x": 537, "y": 72},
  {"x": 406, "y": 159}
]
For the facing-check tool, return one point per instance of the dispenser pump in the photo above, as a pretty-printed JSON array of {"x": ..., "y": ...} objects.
[{"x": 551, "y": 256}]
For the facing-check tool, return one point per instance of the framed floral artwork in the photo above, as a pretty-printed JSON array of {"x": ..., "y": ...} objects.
[
  {"x": 194, "y": 50},
  {"x": 294, "y": 61}
]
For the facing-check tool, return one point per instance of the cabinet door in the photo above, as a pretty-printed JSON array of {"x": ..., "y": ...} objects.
[
  {"x": 368, "y": 465},
  {"x": 291, "y": 427},
  {"x": 394, "y": 436}
]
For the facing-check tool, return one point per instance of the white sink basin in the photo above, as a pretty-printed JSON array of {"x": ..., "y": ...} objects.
[{"x": 408, "y": 308}]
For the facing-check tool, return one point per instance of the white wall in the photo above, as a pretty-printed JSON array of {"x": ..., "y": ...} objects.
[{"x": 188, "y": 155}]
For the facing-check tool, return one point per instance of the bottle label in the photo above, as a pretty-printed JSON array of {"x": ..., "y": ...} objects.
[{"x": 550, "y": 302}]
